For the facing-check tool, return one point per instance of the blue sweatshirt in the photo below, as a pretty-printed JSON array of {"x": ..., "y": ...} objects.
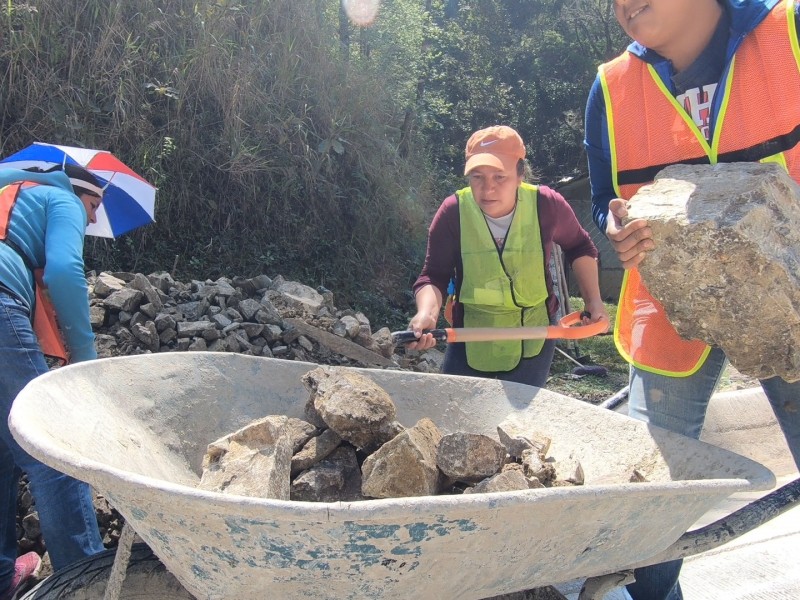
[
  {"x": 740, "y": 18},
  {"x": 48, "y": 223}
]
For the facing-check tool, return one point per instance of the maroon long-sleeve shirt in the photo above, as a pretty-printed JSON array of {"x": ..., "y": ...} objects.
[{"x": 557, "y": 222}]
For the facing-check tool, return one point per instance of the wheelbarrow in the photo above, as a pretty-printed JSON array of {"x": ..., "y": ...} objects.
[{"x": 136, "y": 428}]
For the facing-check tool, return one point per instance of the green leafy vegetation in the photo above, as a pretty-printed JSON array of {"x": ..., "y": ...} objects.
[{"x": 283, "y": 138}]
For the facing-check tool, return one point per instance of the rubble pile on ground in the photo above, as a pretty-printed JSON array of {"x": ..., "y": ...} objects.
[
  {"x": 350, "y": 447},
  {"x": 260, "y": 316}
]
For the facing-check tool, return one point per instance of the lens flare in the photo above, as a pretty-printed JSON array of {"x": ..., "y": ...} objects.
[{"x": 361, "y": 12}]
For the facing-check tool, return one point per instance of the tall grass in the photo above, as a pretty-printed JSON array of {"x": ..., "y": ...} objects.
[{"x": 270, "y": 151}]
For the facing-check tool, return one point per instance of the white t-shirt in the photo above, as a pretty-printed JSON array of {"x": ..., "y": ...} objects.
[{"x": 499, "y": 227}]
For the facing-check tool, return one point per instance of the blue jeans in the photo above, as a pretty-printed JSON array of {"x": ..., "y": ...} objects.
[
  {"x": 679, "y": 404},
  {"x": 530, "y": 371},
  {"x": 64, "y": 504}
]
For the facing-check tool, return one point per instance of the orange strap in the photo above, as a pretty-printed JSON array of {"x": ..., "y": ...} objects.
[
  {"x": 45, "y": 324},
  {"x": 8, "y": 197}
]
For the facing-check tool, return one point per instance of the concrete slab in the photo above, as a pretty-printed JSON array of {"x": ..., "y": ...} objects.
[{"x": 759, "y": 565}]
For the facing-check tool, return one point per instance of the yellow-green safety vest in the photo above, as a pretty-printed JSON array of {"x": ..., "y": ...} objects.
[{"x": 502, "y": 288}]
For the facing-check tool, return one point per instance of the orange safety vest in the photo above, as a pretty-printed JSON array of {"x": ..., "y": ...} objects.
[
  {"x": 45, "y": 325},
  {"x": 758, "y": 120}
]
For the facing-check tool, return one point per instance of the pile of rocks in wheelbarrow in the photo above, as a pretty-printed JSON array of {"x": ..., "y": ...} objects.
[
  {"x": 350, "y": 447},
  {"x": 133, "y": 313}
]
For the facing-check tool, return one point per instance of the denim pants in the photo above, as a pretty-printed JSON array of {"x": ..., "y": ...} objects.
[
  {"x": 530, "y": 371},
  {"x": 679, "y": 404},
  {"x": 64, "y": 504}
]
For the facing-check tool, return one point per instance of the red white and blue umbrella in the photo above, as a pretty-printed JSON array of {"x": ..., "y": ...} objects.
[{"x": 128, "y": 201}]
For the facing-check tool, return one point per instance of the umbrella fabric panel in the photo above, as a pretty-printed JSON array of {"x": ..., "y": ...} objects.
[
  {"x": 105, "y": 161},
  {"x": 128, "y": 203},
  {"x": 128, "y": 200}
]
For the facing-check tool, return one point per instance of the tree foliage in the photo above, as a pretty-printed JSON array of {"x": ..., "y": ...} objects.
[{"x": 283, "y": 137}]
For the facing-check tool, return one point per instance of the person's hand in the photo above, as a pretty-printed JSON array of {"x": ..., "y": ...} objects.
[
  {"x": 593, "y": 312},
  {"x": 631, "y": 241},
  {"x": 420, "y": 321}
]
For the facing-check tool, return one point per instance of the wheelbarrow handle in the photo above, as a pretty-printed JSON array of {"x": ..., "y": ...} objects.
[{"x": 568, "y": 328}]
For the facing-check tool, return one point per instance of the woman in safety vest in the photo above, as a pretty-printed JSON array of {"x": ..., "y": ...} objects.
[
  {"x": 705, "y": 81},
  {"x": 494, "y": 240},
  {"x": 43, "y": 217}
]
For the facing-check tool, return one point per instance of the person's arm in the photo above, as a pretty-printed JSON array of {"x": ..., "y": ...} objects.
[
  {"x": 631, "y": 241},
  {"x": 598, "y": 153},
  {"x": 64, "y": 272},
  {"x": 579, "y": 250},
  {"x": 429, "y": 303},
  {"x": 441, "y": 259},
  {"x": 586, "y": 274}
]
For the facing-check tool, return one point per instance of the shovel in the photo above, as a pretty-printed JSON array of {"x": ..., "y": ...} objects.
[{"x": 568, "y": 328}]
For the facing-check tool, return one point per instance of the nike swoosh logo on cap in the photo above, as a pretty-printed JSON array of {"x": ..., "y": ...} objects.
[{"x": 484, "y": 144}]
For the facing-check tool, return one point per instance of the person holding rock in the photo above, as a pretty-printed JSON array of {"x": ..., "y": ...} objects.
[
  {"x": 491, "y": 242},
  {"x": 43, "y": 218},
  {"x": 704, "y": 81}
]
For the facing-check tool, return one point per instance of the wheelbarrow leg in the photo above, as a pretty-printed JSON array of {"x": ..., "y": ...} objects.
[
  {"x": 595, "y": 588},
  {"x": 120, "y": 567},
  {"x": 543, "y": 593}
]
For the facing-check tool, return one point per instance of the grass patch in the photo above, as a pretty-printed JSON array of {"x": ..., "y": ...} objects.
[
  {"x": 601, "y": 350},
  {"x": 597, "y": 350}
]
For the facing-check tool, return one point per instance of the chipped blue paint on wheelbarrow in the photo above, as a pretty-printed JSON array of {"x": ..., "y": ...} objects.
[{"x": 137, "y": 427}]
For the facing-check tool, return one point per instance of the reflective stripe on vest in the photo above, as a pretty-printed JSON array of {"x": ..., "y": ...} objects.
[
  {"x": 45, "y": 325},
  {"x": 754, "y": 123},
  {"x": 502, "y": 290}
]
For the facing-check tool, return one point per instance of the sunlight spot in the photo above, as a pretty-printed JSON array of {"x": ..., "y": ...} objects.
[{"x": 361, "y": 12}]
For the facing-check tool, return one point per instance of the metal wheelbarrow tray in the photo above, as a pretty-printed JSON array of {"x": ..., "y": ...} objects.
[{"x": 136, "y": 429}]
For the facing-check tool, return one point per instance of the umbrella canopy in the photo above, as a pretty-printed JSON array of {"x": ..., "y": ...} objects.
[{"x": 129, "y": 200}]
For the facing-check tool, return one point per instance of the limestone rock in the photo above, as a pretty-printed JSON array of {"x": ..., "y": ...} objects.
[
  {"x": 253, "y": 461},
  {"x": 303, "y": 297},
  {"x": 469, "y": 457},
  {"x": 570, "y": 470},
  {"x": 536, "y": 467},
  {"x": 726, "y": 266},
  {"x": 147, "y": 334},
  {"x": 355, "y": 407},
  {"x": 142, "y": 283},
  {"x": 337, "y": 478},
  {"x": 404, "y": 466},
  {"x": 126, "y": 299},
  {"x": 106, "y": 284},
  {"x": 300, "y": 432},
  {"x": 317, "y": 449},
  {"x": 517, "y": 436},
  {"x": 506, "y": 481}
]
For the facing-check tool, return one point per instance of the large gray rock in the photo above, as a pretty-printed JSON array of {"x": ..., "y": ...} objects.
[
  {"x": 404, "y": 466},
  {"x": 469, "y": 457},
  {"x": 337, "y": 478},
  {"x": 725, "y": 265},
  {"x": 352, "y": 405},
  {"x": 253, "y": 461}
]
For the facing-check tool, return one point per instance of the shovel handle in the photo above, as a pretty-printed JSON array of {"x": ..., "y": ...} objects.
[
  {"x": 568, "y": 328},
  {"x": 407, "y": 336}
]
